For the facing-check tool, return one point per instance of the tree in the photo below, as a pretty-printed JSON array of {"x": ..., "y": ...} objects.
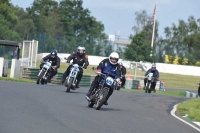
[
  {"x": 81, "y": 28},
  {"x": 25, "y": 24},
  {"x": 8, "y": 20},
  {"x": 139, "y": 49}
]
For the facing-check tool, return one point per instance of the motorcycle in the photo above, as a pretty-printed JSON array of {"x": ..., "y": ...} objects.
[
  {"x": 71, "y": 79},
  {"x": 44, "y": 73},
  {"x": 150, "y": 79},
  {"x": 99, "y": 94}
]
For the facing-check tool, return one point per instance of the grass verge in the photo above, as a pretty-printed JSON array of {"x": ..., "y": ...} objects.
[
  {"x": 167, "y": 93},
  {"x": 17, "y": 80},
  {"x": 192, "y": 107}
]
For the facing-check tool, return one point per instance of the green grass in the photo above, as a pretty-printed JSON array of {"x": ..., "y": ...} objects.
[
  {"x": 17, "y": 80},
  {"x": 192, "y": 107},
  {"x": 171, "y": 80},
  {"x": 167, "y": 93}
]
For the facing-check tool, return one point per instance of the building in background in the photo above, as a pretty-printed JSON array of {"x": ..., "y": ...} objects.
[{"x": 118, "y": 42}]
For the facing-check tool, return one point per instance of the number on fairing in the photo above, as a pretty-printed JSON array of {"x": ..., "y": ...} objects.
[
  {"x": 109, "y": 81},
  {"x": 150, "y": 74},
  {"x": 47, "y": 64}
]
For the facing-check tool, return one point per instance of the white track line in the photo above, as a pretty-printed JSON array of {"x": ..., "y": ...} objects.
[{"x": 173, "y": 114}]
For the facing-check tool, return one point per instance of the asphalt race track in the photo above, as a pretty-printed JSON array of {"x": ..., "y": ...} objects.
[{"x": 31, "y": 108}]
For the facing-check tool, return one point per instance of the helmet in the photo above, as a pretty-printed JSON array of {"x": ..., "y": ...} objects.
[
  {"x": 153, "y": 67},
  {"x": 79, "y": 49},
  {"x": 120, "y": 63},
  {"x": 53, "y": 53},
  {"x": 115, "y": 56}
]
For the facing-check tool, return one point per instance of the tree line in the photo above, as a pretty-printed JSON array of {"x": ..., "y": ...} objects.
[
  {"x": 62, "y": 25},
  {"x": 180, "y": 45},
  {"x": 66, "y": 24}
]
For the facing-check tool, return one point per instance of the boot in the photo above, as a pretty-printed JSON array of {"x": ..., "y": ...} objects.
[
  {"x": 77, "y": 86},
  {"x": 106, "y": 102},
  {"x": 89, "y": 91},
  {"x": 62, "y": 81}
]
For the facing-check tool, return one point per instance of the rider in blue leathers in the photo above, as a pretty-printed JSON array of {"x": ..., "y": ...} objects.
[{"x": 110, "y": 66}]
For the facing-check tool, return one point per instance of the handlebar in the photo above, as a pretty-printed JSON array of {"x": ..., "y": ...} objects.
[{"x": 107, "y": 74}]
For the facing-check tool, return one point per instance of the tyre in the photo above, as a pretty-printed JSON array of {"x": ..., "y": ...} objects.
[
  {"x": 102, "y": 98},
  {"x": 147, "y": 88},
  {"x": 69, "y": 85},
  {"x": 39, "y": 79}
]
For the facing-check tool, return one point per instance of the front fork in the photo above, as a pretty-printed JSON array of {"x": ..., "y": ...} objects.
[{"x": 73, "y": 76}]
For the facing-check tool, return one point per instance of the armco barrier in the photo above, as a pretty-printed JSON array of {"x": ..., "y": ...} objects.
[{"x": 31, "y": 73}]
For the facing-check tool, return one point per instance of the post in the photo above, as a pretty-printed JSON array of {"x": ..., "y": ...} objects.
[
  {"x": 1, "y": 66},
  {"x": 154, "y": 20},
  {"x": 135, "y": 70},
  {"x": 15, "y": 71}
]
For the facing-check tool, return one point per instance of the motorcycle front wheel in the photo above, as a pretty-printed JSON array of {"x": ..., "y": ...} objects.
[
  {"x": 39, "y": 79},
  {"x": 69, "y": 85},
  {"x": 102, "y": 98},
  {"x": 147, "y": 88}
]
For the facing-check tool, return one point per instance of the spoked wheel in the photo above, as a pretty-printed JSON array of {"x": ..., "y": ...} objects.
[
  {"x": 40, "y": 78},
  {"x": 147, "y": 88},
  {"x": 102, "y": 98},
  {"x": 69, "y": 85}
]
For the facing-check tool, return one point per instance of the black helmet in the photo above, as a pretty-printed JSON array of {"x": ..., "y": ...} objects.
[
  {"x": 120, "y": 63},
  {"x": 80, "y": 48},
  {"x": 53, "y": 53},
  {"x": 153, "y": 67}
]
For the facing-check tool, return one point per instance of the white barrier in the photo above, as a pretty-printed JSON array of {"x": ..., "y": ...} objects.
[
  {"x": 15, "y": 71},
  {"x": 162, "y": 67},
  {"x": 1, "y": 66},
  {"x": 93, "y": 60},
  {"x": 191, "y": 95}
]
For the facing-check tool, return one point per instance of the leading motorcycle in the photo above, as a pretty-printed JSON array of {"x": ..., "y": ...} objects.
[{"x": 99, "y": 94}]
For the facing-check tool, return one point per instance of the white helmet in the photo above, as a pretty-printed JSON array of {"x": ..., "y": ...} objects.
[
  {"x": 114, "y": 55},
  {"x": 80, "y": 48}
]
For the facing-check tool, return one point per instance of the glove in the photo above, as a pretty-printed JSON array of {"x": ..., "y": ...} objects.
[
  {"x": 68, "y": 61},
  {"x": 118, "y": 81},
  {"x": 98, "y": 71},
  {"x": 85, "y": 67},
  {"x": 54, "y": 67}
]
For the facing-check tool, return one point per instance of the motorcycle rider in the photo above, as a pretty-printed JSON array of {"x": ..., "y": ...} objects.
[
  {"x": 55, "y": 60},
  {"x": 79, "y": 57},
  {"x": 109, "y": 65},
  {"x": 155, "y": 75},
  {"x": 123, "y": 73}
]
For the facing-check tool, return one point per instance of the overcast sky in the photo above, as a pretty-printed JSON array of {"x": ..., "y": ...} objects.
[{"x": 120, "y": 14}]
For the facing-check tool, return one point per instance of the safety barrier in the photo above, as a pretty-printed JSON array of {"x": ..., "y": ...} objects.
[
  {"x": 31, "y": 73},
  {"x": 190, "y": 94}
]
